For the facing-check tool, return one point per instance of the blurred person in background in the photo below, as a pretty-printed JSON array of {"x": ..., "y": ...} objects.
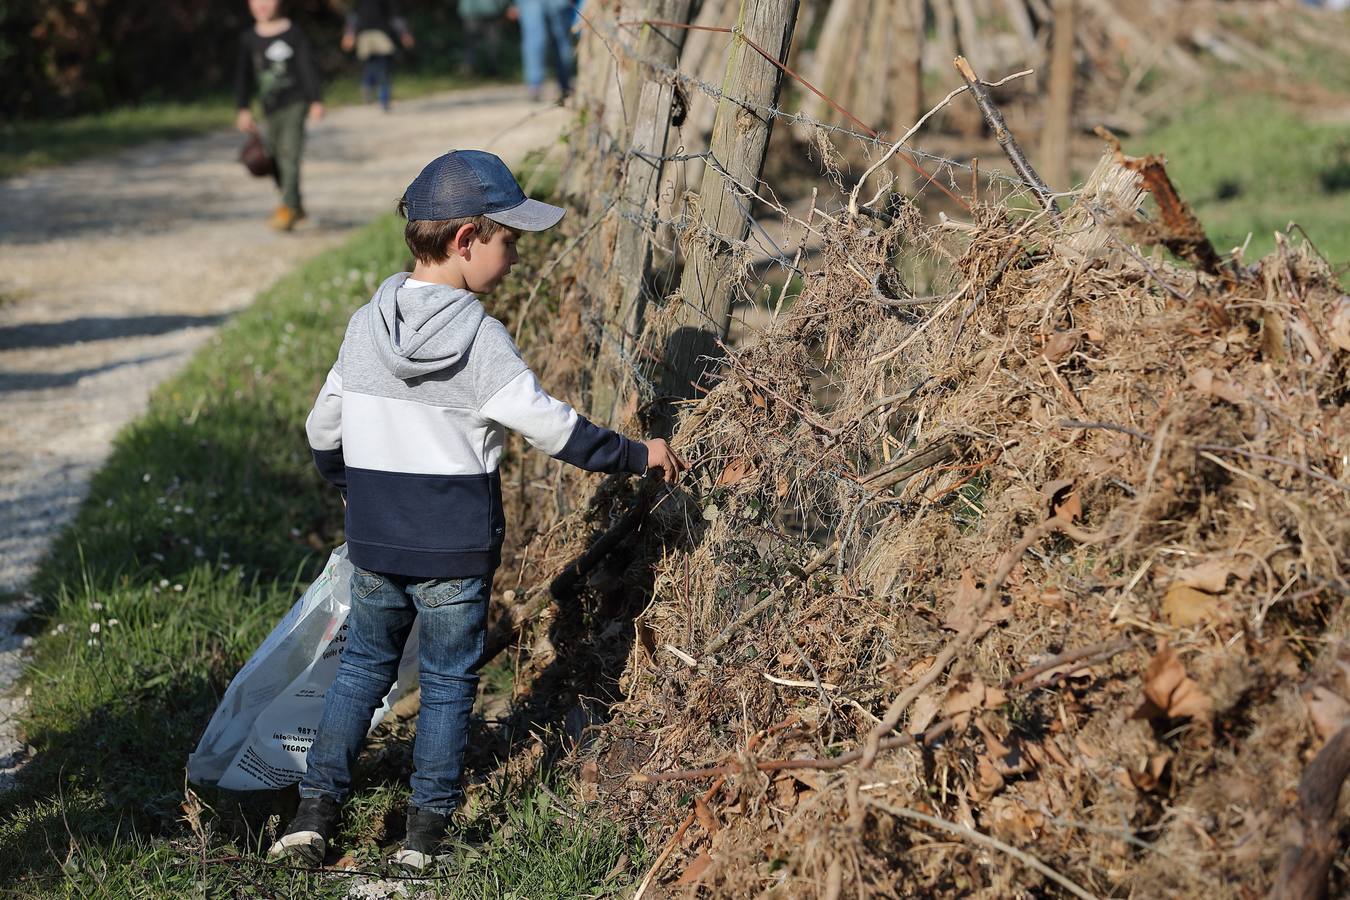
[
  {"x": 276, "y": 63},
  {"x": 483, "y": 24},
  {"x": 544, "y": 32},
  {"x": 372, "y": 28}
]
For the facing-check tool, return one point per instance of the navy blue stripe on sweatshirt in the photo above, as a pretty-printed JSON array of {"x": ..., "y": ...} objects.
[
  {"x": 331, "y": 466},
  {"x": 428, "y": 526},
  {"x": 597, "y": 449}
]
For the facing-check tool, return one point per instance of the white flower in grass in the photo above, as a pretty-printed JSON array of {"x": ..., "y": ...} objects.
[
  {"x": 92, "y": 642},
  {"x": 95, "y": 628},
  {"x": 96, "y": 606},
  {"x": 178, "y": 587},
  {"x": 112, "y": 622},
  {"x": 60, "y": 629},
  {"x": 164, "y": 582},
  {"x": 146, "y": 478}
]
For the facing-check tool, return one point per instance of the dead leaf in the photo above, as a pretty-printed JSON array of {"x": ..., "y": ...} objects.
[
  {"x": 647, "y": 638},
  {"x": 1060, "y": 344},
  {"x": 1305, "y": 334},
  {"x": 922, "y": 712},
  {"x": 988, "y": 779},
  {"x": 1330, "y": 711},
  {"x": 1209, "y": 576},
  {"x": 693, "y": 873},
  {"x": 1169, "y": 691},
  {"x": 1184, "y": 606},
  {"x": 1071, "y": 509},
  {"x": 1053, "y": 597},
  {"x": 192, "y": 807},
  {"x": 758, "y": 401},
  {"x": 706, "y": 818},
  {"x": 1149, "y": 778},
  {"x": 962, "y": 698},
  {"x": 590, "y": 772},
  {"x": 736, "y": 471},
  {"x": 1339, "y": 326},
  {"x": 1012, "y": 821},
  {"x": 961, "y": 614},
  {"x": 785, "y": 791},
  {"x": 1207, "y": 381}
]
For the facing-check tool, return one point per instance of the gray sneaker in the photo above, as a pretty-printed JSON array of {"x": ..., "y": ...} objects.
[{"x": 307, "y": 837}]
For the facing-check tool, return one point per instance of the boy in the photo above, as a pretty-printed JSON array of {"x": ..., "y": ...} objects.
[
  {"x": 409, "y": 426},
  {"x": 276, "y": 61},
  {"x": 371, "y": 27}
]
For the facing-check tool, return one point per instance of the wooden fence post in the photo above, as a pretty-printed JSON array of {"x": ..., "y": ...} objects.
[
  {"x": 740, "y": 139},
  {"x": 624, "y": 302},
  {"x": 1057, "y": 133}
]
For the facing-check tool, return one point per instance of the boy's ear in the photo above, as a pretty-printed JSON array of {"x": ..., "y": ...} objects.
[{"x": 467, "y": 233}]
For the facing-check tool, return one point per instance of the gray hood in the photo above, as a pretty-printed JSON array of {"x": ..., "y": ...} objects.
[{"x": 422, "y": 330}]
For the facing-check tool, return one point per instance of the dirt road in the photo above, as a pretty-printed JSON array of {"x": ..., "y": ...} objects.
[{"x": 113, "y": 271}]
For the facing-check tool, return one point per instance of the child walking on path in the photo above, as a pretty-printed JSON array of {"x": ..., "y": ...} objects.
[
  {"x": 410, "y": 426},
  {"x": 276, "y": 63},
  {"x": 371, "y": 28}
]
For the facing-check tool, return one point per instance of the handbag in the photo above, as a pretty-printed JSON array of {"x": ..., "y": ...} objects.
[{"x": 255, "y": 157}]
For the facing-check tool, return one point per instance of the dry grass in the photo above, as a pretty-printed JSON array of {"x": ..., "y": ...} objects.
[{"x": 1168, "y": 447}]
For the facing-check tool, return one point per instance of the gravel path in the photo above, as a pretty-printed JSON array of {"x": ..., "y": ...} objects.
[{"x": 113, "y": 271}]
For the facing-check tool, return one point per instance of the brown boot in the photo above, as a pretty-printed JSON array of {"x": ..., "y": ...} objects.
[{"x": 284, "y": 218}]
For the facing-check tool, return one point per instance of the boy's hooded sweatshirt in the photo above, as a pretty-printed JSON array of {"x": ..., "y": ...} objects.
[{"x": 410, "y": 425}]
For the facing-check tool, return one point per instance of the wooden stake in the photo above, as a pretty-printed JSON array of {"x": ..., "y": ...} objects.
[
  {"x": 1057, "y": 133},
  {"x": 740, "y": 141}
]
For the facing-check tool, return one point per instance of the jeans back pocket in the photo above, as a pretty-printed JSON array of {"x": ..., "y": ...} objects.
[
  {"x": 439, "y": 593},
  {"x": 365, "y": 583}
]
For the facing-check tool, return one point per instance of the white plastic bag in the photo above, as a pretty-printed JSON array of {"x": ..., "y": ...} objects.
[{"x": 260, "y": 734}]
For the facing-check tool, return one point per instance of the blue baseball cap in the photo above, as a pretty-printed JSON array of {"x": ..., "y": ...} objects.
[{"x": 466, "y": 183}]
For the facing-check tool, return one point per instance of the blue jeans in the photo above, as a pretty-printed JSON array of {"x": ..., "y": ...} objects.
[
  {"x": 453, "y": 624},
  {"x": 375, "y": 74},
  {"x": 544, "y": 24}
]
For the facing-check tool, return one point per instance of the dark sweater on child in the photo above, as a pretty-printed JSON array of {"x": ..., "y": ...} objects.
[
  {"x": 376, "y": 15},
  {"x": 280, "y": 69}
]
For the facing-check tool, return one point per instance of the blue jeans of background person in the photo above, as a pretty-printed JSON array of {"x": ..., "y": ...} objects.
[
  {"x": 375, "y": 74},
  {"x": 453, "y": 624},
  {"x": 543, "y": 27}
]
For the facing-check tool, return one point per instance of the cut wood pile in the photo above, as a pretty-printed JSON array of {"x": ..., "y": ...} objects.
[
  {"x": 1012, "y": 561},
  {"x": 1131, "y": 59}
]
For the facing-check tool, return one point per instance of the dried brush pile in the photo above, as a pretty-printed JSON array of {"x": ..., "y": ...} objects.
[{"x": 1031, "y": 587}]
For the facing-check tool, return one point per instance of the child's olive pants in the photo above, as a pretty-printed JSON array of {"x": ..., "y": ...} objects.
[{"x": 285, "y": 129}]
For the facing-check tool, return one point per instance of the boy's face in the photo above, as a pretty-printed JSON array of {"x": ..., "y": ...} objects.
[
  {"x": 264, "y": 10},
  {"x": 488, "y": 262}
]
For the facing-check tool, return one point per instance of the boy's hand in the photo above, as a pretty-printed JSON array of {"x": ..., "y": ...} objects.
[
  {"x": 316, "y": 111},
  {"x": 660, "y": 456},
  {"x": 348, "y": 40},
  {"x": 245, "y": 123}
]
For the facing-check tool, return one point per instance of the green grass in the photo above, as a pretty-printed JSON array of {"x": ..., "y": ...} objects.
[
  {"x": 31, "y": 144},
  {"x": 1252, "y": 164},
  {"x": 195, "y": 539}
]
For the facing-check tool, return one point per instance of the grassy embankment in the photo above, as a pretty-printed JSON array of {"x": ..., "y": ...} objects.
[
  {"x": 31, "y": 144},
  {"x": 199, "y": 532}
]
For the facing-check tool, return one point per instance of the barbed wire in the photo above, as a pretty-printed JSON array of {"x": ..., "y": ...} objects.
[{"x": 875, "y": 139}]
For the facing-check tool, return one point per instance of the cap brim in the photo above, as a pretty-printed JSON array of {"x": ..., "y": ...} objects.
[{"x": 529, "y": 216}]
